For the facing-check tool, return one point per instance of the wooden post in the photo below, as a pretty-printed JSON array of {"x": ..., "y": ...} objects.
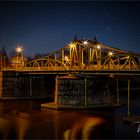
[
  {"x": 128, "y": 97},
  {"x": 118, "y": 96},
  {"x": 56, "y": 90},
  {"x": 85, "y": 91}
]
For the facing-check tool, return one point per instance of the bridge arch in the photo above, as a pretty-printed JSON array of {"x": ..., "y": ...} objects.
[
  {"x": 46, "y": 64},
  {"x": 86, "y": 55}
]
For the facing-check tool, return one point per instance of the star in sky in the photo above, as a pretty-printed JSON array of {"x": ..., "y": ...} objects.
[{"x": 107, "y": 27}]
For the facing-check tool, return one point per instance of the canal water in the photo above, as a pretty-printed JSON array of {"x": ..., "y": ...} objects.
[{"x": 25, "y": 119}]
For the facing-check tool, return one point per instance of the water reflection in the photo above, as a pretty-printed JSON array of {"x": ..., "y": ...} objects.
[
  {"x": 4, "y": 128},
  {"x": 26, "y": 120},
  {"x": 14, "y": 126},
  {"x": 22, "y": 124},
  {"x": 88, "y": 128}
]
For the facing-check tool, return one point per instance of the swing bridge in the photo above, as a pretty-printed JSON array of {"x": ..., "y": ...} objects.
[
  {"x": 85, "y": 56},
  {"x": 79, "y": 58}
]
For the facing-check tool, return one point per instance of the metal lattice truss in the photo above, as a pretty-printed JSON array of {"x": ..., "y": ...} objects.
[{"x": 86, "y": 55}]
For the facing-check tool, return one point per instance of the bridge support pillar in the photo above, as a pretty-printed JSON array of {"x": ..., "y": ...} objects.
[
  {"x": 85, "y": 91},
  {"x": 56, "y": 90},
  {"x": 30, "y": 85},
  {"x": 128, "y": 113},
  {"x": 118, "y": 96}
]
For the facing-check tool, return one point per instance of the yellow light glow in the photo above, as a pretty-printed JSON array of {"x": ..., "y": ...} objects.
[
  {"x": 98, "y": 47},
  {"x": 110, "y": 53},
  {"x": 86, "y": 127},
  {"x": 85, "y": 42},
  {"x": 19, "y": 49},
  {"x": 71, "y": 45},
  {"x": 66, "y": 58}
]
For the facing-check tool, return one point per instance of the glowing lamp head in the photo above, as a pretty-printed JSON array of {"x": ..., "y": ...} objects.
[
  {"x": 110, "y": 53},
  {"x": 66, "y": 58},
  {"x": 85, "y": 42},
  {"x": 71, "y": 45},
  {"x": 98, "y": 47},
  {"x": 19, "y": 49}
]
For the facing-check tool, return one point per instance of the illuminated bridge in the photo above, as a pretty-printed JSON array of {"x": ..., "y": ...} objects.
[
  {"x": 74, "y": 74},
  {"x": 83, "y": 56}
]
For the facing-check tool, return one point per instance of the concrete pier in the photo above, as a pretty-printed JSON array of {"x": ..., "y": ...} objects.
[{"x": 15, "y": 85}]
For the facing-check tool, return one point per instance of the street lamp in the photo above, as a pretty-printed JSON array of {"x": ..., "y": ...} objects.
[
  {"x": 98, "y": 47},
  {"x": 72, "y": 45},
  {"x": 85, "y": 42},
  {"x": 66, "y": 58},
  {"x": 110, "y": 53},
  {"x": 19, "y": 50}
]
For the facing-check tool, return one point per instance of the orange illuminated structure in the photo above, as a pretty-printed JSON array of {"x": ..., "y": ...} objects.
[
  {"x": 17, "y": 61},
  {"x": 78, "y": 58},
  {"x": 86, "y": 55}
]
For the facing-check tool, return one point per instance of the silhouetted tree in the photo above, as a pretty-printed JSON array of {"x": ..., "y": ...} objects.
[{"x": 4, "y": 59}]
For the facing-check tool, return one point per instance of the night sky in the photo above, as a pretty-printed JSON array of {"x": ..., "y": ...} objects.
[{"x": 43, "y": 27}]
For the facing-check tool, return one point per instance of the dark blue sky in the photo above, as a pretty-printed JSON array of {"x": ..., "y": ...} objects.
[{"x": 43, "y": 27}]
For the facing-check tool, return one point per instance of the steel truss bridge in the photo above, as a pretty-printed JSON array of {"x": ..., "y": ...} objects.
[{"x": 86, "y": 55}]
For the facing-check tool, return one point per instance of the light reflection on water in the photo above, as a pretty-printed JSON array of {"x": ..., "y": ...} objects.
[
  {"x": 87, "y": 128},
  {"x": 26, "y": 120},
  {"x": 14, "y": 125}
]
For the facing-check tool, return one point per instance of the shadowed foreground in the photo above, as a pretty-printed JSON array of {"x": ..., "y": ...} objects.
[{"x": 26, "y": 120}]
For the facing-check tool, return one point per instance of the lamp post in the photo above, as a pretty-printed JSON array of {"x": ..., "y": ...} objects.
[{"x": 19, "y": 50}]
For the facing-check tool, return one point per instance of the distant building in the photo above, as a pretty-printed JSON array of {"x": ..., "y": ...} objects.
[{"x": 17, "y": 61}]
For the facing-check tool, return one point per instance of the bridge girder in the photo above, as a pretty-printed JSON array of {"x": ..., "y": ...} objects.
[{"x": 86, "y": 55}]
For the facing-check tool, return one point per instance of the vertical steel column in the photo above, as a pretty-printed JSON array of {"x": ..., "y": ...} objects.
[
  {"x": 70, "y": 55},
  {"x": 63, "y": 57},
  {"x": 109, "y": 59},
  {"x": 30, "y": 85},
  {"x": 56, "y": 90},
  {"x": 118, "y": 96},
  {"x": 55, "y": 58},
  {"x": 129, "y": 63},
  {"x": 82, "y": 58},
  {"x": 85, "y": 91},
  {"x": 79, "y": 57},
  {"x": 90, "y": 52},
  {"x": 128, "y": 113},
  {"x": 100, "y": 58},
  {"x": 119, "y": 61},
  {"x": 89, "y": 55}
]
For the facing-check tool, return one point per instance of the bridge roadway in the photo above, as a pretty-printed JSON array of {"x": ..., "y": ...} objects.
[
  {"x": 77, "y": 72},
  {"x": 82, "y": 56}
]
